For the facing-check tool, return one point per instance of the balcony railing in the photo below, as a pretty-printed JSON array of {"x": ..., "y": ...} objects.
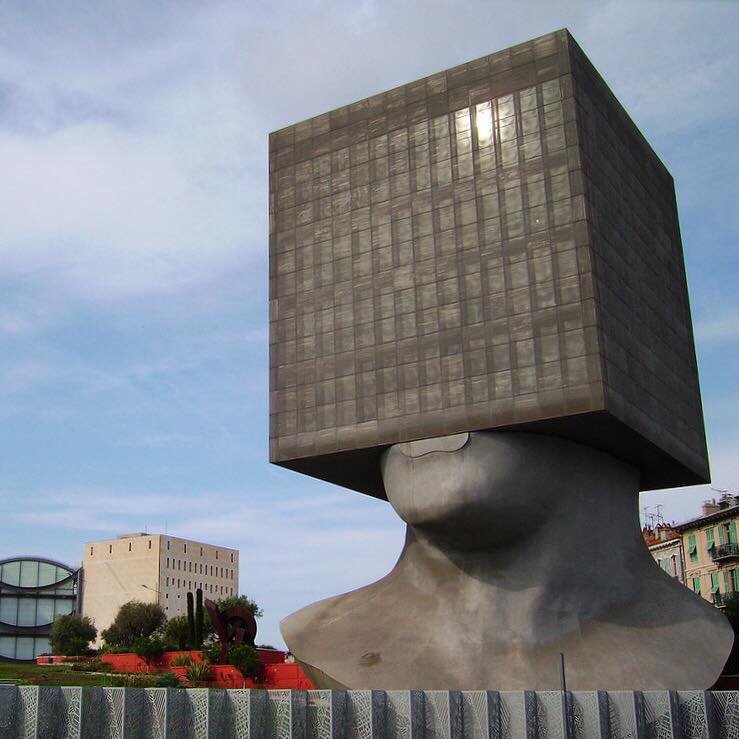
[
  {"x": 718, "y": 600},
  {"x": 725, "y": 551}
]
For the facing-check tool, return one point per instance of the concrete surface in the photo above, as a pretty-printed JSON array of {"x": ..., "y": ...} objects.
[{"x": 519, "y": 546}]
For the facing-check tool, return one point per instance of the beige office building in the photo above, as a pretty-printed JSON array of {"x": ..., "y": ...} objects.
[{"x": 153, "y": 568}]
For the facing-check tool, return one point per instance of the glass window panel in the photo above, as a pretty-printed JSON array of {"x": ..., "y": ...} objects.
[
  {"x": 11, "y": 572},
  {"x": 9, "y": 610},
  {"x": 44, "y": 611},
  {"x": 26, "y": 612},
  {"x": 29, "y": 574},
  {"x": 505, "y": 106},
  {"x": 7, "y": 647},
  {"x": 47, "y": 574},
  {"x": 484, "y": 124},
  {"x": 66, "y": 587},
  {"x": 527, "y": 98},
  {"x": 508, "y": 130},
  {"x": 24, "y": 647},
  {"x": 41, "y": 646}
]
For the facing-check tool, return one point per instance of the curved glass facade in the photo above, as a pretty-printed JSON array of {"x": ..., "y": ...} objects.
[{"x": 33, "y": 592}]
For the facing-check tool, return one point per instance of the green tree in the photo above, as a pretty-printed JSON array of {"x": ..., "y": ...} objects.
[
  {"x": 71, "y": 634},
  {"x": 731, "y": 611},
  {"x": 191, "y": 617},
  {"x": 177, "y": 632},
  {"x": 199, "y": 619},
  {"x": 133, "y": 621}
]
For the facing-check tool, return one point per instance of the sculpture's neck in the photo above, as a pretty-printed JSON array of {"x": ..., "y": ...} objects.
[{"x": 576, "y": 565}]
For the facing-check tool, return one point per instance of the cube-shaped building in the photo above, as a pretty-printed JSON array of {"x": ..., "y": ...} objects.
[{"x": 492, "y": 247}]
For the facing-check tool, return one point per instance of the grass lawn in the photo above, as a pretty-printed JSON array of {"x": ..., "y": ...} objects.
[{"x": 31, "y": 674}]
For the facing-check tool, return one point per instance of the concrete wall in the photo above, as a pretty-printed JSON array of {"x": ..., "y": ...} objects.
[
  {"x": 162, "y": 712},
  {"x": 115, "y": 572}
]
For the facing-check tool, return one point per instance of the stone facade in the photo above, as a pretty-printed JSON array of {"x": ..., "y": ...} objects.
[
  {"x": 668, "y": 555},
  {"x": 153, "y": 568},
  {"x": 494, "y": 246}
]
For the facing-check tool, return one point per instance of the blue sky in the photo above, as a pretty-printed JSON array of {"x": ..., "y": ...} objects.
[{"x": 133, "y": 253}]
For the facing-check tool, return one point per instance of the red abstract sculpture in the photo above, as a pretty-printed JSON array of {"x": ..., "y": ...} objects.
[{"x": 235, "y": 625}]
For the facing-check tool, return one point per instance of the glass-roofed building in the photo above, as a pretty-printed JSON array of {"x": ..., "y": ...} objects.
[{"x": 33, "y": 592}]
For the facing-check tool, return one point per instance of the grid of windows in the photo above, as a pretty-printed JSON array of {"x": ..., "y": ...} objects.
[
  {"x": 33, "y": 593},
  {"x": 429, "y": 266},
  {"x": 432, "y": 270}
]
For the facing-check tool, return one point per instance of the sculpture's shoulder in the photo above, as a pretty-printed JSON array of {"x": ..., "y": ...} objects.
[
  {"x": 331, "y": 615},
  {"x": 670, "y": 638},
  {"x": 346, "y": 630}
]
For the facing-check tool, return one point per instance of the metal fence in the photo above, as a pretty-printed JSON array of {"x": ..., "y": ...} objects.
[{"x": 113, "y": 713}]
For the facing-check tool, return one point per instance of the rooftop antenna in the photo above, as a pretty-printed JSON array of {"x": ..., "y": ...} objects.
[{"x": 648, "y": 517}]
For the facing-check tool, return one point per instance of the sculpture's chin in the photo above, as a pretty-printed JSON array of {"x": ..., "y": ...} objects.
[{"x": 497, "y": 484}]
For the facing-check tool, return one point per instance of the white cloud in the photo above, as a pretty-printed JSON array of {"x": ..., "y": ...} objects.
[
  {"x": 718, "y": 331},
  {"x": 134, "y": 156}
]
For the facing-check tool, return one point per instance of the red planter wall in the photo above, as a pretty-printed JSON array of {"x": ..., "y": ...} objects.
[{"x": 276, "y": 674}]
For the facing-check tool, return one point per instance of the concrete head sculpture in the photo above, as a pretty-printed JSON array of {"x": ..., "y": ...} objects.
[
  {"x": 519, "y": 547},
  {"x": 479, "y": 256}
]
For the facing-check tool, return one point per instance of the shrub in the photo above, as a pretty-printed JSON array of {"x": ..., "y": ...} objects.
[
  {"x": 111, "y": 649},
  {"x": 71, "y": 633},
  {"x": 177, "y": 632},
  {"x": 167, "y": 680},
  {"x": 198, "y": 673},
  {"x": 76, "y": 646},
  {"x": 133, "y": 621},
  {"x": 147, "y": 680},
  {"x": 244, "y": 658},
  {"x": 212, "y": 653},
  {"x": 91, "y": 665},
  {"x": 182, "y": 660},
  {"x": 148, "y": 648}
]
